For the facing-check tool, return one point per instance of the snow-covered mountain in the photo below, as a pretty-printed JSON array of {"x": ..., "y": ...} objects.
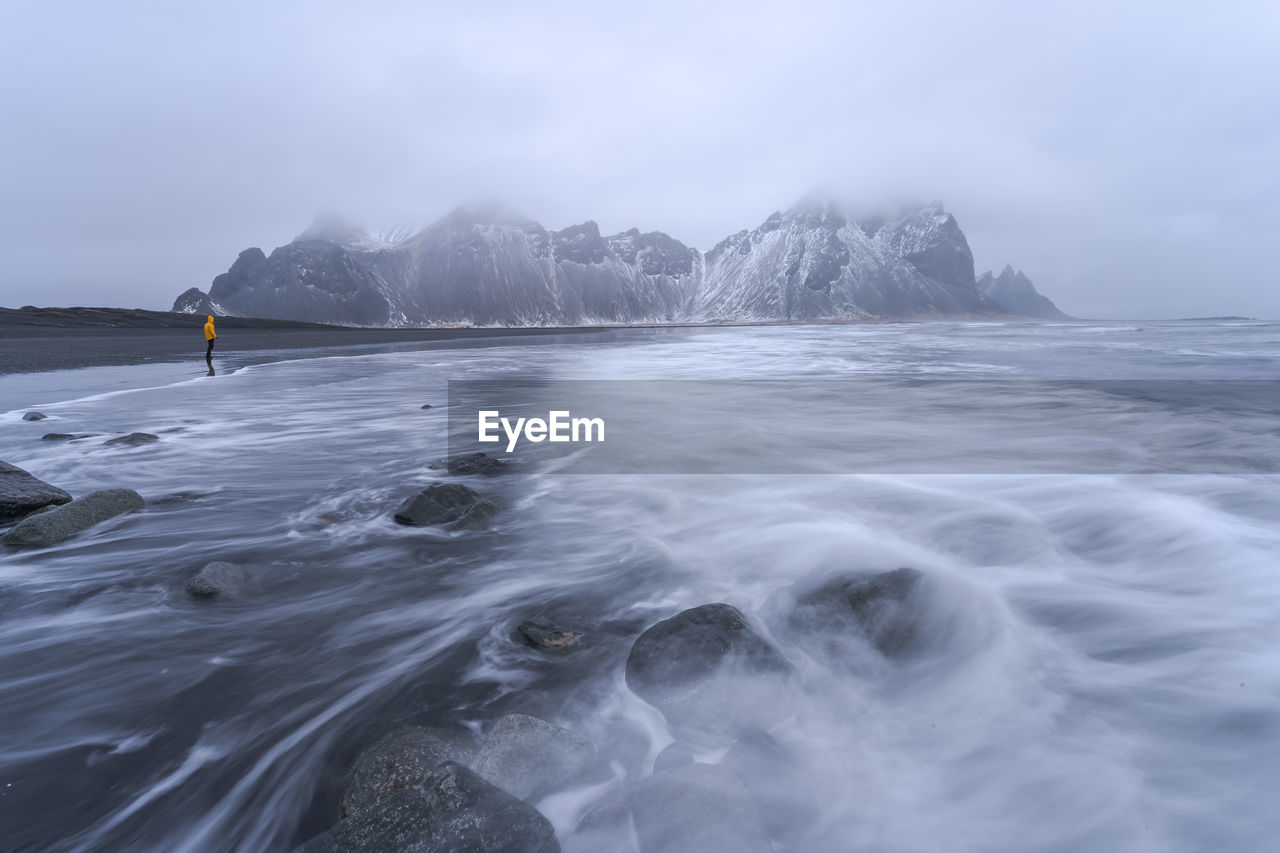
[
  {"x": 1015, "y": 292},
  {"x": 486, "y": 267}
]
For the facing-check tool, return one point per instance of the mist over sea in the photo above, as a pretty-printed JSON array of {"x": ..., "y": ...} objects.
[{"x": 1102, "y": 663}]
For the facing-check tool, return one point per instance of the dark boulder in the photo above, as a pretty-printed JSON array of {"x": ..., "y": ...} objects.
[
  {"x": 877, "y": 607},
  {"x": 222, "y": 580},
  {"x": 49, "y": 528},
  {"x": 697, "y": 808},
  {"x": 133, "y": 438},
  {"x": 542, "y": 634},
  {"x": 34, "y": 416},
  {"x": 530, "y": 758},
  {"x": 439, "y": 503},
  {"x": 426, "y": 406},
  {"x": 452, "y": 811},
  {"x": 476, "y": 463},
  {"x": 476, "y": 516},
  {"x": 64, "y": 436},
  {"x": 709, "y": 673},
  {"x": 402, "y": 759},
  {"x": 22, "y": 494}
]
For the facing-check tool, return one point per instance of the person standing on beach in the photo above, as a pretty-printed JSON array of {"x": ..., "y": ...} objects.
[{"x": 209, "y": 335}]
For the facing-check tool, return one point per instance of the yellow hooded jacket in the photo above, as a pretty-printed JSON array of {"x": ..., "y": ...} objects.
[{"x": 209, "y": 333}]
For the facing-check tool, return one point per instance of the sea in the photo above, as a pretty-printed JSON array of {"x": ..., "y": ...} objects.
[{"x": 1101, "y": 668}]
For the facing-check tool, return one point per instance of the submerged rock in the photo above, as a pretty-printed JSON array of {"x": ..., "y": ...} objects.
[
  {"x": 779, "y": 784},
  {"x": 133, "y": 438},
  {"x": 697, "y": 808},
  {"x": 546, "y": 635},
  {"x": 224, "y": 580},
  {"x": 709, "y": 672},
  {"x": 64, "y": 436},
  {"x": 438, "y": 503},
  {"x": 426, "y": 406},
  {"x": 34, "y": 416},
  {"x": 875, "y": 606},
  {"x": 452, "y": 811},
  {"x": 476, "y": 516},
  {"x": 530, "y": 758},
  {"x": 476, "y": 463},
  {"x": 402, "y": 759},
  {"x": 22, "y": 493},
  {"x": 49, "y": 528}
]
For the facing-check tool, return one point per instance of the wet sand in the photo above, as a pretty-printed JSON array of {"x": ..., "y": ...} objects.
[{"x": 38, "y": 341}]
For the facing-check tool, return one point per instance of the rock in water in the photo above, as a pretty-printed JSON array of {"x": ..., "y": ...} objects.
[
  {"x": 453, "y": 811},
  {"x": 697, "y": 808},
  {"x": 22, "y": 494},
  {"x": 780, "y": 786},
  {"x": 226, "y": 580},
  {"x": 437, "y": 504},
  {"x": 49, "y": 528},
  {"x": 402, "y": 759},
  {"x": 709, "y": 673},
  {"x": 530, "y": 758},
  {"x": 875, "y": 606},
  {"x": 476, "y": 516},
  {"x": 133, "y": 438},
  {"x": 64, "y": 436},
  {"x": 34, "y": 416},
  {"x": 425, "y": 406},
  {"x": 476, "y": 463},
  {"x": 546, "y": 635}
]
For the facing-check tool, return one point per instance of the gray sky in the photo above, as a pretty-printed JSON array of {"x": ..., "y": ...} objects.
[{"x": 1125, "y": 155}]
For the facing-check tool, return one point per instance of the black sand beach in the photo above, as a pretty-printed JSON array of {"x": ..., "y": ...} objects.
[{"x": 39, "y": 339}]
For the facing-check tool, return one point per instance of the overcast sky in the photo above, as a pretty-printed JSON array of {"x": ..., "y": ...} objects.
[{"x": 1125, "y": 155}]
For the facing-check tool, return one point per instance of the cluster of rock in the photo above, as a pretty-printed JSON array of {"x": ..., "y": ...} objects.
[
  {"x": 719, "y": 684},
  {"x": 47, "y": 515},
  {"x": 42, "y": 515},
  {"x": 454, "y": 505}
]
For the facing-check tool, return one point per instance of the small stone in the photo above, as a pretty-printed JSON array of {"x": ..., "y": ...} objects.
[
  {"x": 476, "y": 463},
  {"x": 133, "y": 438},
  {"x": 64, "y": 436},
  {"x": 34, "y": 416},
  {"x": 439, "y": 503},
  {"x": 546, "y": 635},
  {"x": 226, "y": 580},
  {"x": 426, "y": 405}
]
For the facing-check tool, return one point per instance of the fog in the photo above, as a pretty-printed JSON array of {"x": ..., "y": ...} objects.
[{"x": 1124, "y": 157}]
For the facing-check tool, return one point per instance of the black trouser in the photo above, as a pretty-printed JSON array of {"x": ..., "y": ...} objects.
[{"x": 208, "y": 354}]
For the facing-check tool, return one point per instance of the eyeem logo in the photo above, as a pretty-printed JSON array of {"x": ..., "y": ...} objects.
[{"x": 559, "y": 426}]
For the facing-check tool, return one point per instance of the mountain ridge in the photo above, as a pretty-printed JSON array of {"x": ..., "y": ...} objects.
[{"x": 485, "y": 266}]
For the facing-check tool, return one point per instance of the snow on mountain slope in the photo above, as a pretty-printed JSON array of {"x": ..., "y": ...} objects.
[{"x": 487, "y": 267}]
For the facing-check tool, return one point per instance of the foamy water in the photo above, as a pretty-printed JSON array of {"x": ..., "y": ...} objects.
[{"x": 1104, "y": 650}]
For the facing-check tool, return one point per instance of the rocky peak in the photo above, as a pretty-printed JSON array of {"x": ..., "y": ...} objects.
[
  {"x": 581, "y": 244},
  {"x": 335, "y": 229}
]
